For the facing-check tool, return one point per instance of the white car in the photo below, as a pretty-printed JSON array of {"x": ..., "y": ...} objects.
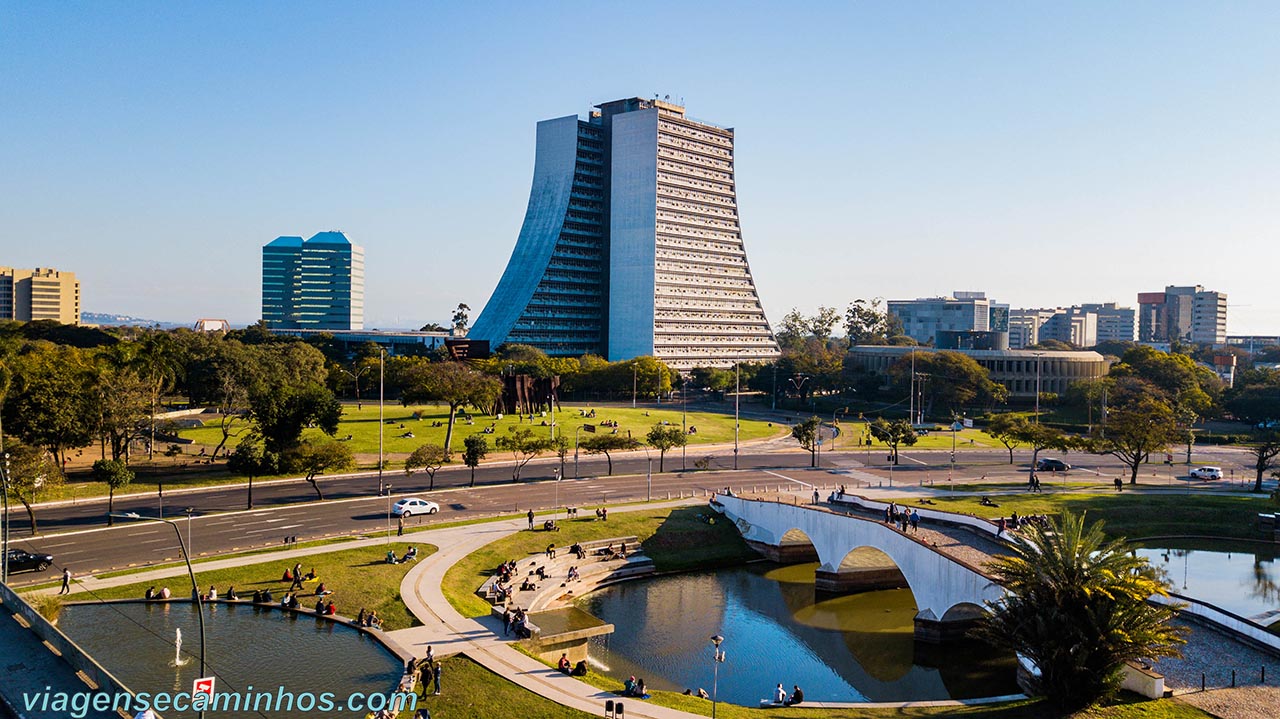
[
  {"x": 1206, "y": 473},
  {"x": 410, "y": 506}
]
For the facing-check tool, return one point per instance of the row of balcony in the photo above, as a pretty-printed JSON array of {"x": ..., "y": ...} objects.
[
  {"x": 715, "y": 139},
  {"x": 695, "y": 159}
]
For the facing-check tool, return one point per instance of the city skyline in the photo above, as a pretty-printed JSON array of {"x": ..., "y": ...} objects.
[{"x": 884, "y": 151}]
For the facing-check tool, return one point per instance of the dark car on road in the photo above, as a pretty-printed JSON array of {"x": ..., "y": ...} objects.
[
  {"x": 20, "y": 561},
  {"x": 1049, "y": 464}
]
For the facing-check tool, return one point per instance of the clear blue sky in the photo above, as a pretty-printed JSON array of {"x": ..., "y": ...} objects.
[{"x": 1048, "y": 153}]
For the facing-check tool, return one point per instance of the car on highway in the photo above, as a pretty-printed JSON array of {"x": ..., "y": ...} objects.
[
  {"x": 20, "y": 561},
  {"x": 410, "y": 506},
  {"x": 1052, "y": 464},
  {"x": 1206, "y": 473}
]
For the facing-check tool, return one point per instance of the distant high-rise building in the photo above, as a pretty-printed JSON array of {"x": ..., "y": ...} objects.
[
  {"x": 922, "y": 319},
  {"x": 1186, "y": 314},
  {"x": 313, "y": 284},
  {"x": 39, "y": 294},
  {"x": 631, "y": 245},
  {"x": 1115, "y": 323}
]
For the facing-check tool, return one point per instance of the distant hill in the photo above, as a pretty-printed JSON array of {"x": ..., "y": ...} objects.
[{"x": 114, "y": 320}]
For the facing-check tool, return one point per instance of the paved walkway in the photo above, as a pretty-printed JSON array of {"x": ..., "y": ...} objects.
[{"x": 29, "y": 669}]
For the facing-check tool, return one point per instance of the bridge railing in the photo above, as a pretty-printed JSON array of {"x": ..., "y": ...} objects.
[{"x": 926, "y": 545}]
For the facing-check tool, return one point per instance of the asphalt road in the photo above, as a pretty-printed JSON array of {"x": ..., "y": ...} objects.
[{"x": 76, "y": 535}]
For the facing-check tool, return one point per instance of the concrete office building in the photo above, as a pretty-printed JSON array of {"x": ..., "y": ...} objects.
[
  {"x": 39, "y": 294},
  {"x": 922, "y": 319},
  {"x": 313, "y": 284},
  {"x": 631, "y": 245},
  {"x": 1185, "y": 314},
  {"x": 1115, "y": 323},
  {"x": 1018, "y": 370}
]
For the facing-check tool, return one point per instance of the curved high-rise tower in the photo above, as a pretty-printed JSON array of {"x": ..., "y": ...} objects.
[{"x": 631, "y": 245}]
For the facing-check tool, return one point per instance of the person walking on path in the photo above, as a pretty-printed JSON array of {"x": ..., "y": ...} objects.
[
  {"x": 436, "y": 673},
  {"x": 915, "y": 521},
  {"x": 66, "y": 581},
  {"x": 530, "y": 515}
]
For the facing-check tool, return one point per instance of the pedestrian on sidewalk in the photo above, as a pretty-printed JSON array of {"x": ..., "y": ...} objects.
[
  {"x": 815, "y": 495},
  {"x": 1119, "y": 484},
  {"x": 530, "y": 515},
  {"x": 66, "y": 581},
  {"x": 436, "y": 674},
  {"x": 400, "y": 526}
]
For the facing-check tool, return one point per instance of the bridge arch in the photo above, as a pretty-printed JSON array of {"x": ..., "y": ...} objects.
[
  {"x": 862, "y": 569},
  {"x": 939, "y": 583}
]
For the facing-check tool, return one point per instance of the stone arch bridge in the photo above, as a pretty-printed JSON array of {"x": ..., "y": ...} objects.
[{"x": 858, "y": 553}]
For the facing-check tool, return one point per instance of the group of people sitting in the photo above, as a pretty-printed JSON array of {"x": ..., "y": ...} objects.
[
  {"x": 633, "y": 687},
  {"x": 608, "y": 552},
  {"x": 780, "y": 697},
  {"x": 575, "y": 670},
  {"x": 516, "y": 620},
  {"x": 153, "y": 594},
  {"x": 295, "y": 578},
  {"x": 369, "y": 619},
  {"x": 409, "y": 555}
]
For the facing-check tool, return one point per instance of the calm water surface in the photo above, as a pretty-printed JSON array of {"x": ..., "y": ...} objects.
[
  {"x": 856, "y": 647},
  {"x": 262, "y": 648},
  {"x": 1243, "y": 582}
]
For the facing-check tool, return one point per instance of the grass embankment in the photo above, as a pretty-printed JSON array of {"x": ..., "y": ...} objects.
[
  {"x": 1129, "y": 514},
  {"x": 470, "y": 690},
  {"x": 675, "y": 539},
  {"x": 358, "y": 578},
  {"x": 362, "y": 425}
]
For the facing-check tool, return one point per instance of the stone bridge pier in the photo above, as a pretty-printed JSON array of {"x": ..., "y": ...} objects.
[{"x": 857, "y": 554}]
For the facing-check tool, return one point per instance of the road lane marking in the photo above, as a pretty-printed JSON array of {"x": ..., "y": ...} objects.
[{"x": 789, "y": 479}]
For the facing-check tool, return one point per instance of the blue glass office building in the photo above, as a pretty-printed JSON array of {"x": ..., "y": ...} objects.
[
  {"x": 631, "y": 245},
  {"x": 313, "y": 284}
]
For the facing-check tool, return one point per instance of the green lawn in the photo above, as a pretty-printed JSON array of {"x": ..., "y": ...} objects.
[
  {"x": 1129, "y": 514},
  {"x": 481, "y": 693},
  {"x": 675, "y": 539},
  {"x": 358, "y": 578},
  {"x": 854, "y": 431},
  {"x": 362, "y": 425}
]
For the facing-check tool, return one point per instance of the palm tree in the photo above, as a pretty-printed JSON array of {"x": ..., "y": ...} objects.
[{"x": 1077, "y": 607}]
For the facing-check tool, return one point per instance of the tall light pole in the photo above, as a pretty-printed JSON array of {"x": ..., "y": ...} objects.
[
  {"x": 4, "y": 529},
  {"x": 797, "y": 386},
  {"x": 576, "y": 430},
  {"x": 737, "y": 395},
  {"x": 717, "y": 658},
  {"x": 1038, "y": 356},
  {"x": 911, "y": 413},
  {"x": 195, "y": 589},
  {"x": 556, "y": 513},
  {"x": 356, "y": 377},
  {"x": 382, "y": 377},
  {"x": 635, "y": 378},
  {"x": 188, "y": 511},
  {"x": 684, "y": 422}
]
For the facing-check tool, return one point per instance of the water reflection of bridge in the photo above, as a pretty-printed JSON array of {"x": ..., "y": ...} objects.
[{"x": 860, "y": 553}]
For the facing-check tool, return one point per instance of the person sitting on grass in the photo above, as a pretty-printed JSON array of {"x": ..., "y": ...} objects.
[
  {"x": 151, "y": 593},
  {"x": 579, "y": 669},
  {"x": 391, "y": 556},
  {"x": 410, "y": 555},
  {"x": 321, "y": 590},
  {"x": 563, "y": 665}
]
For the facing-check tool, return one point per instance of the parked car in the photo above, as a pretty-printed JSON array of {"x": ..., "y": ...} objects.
[
  {"x": 410, "y": 506},
  {"x": 20, "y": 561},
  {"x": 1051, "y": 464},
  {"x": 1206, "y": 473}
]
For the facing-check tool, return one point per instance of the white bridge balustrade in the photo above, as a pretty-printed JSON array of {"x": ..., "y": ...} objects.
[{"x": 859, "y": 553}]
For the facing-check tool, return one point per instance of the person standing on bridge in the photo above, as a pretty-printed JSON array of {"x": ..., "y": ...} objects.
[{"x": 915, "y": 521}]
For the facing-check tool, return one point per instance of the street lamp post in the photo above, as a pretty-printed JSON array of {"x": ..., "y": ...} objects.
[
  {"x": 388, "y": 514},
  {"x": 717, "y": 659},
  {"x": 576, "y": 430},
  {"x": 195, "y": 589},
  {"x": 797, "y": 386},
  {"x": 737, "y": 396},
  {"x": 1038, "y": 356},
  {"x": 188, "y": 511},
  {"x": 635, "y": 377},
  {"x": 684, "y": 422},
  {"x": 382, "y": 376},
  {"x": 556, "y": 513},
  {"x": 4, "y": 529},
  {"x": 355, "y": 376}
]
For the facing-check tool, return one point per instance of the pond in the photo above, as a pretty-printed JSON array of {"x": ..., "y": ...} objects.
[
  {"x": 778, "y": 629},
  {"x": 248, "y": 646},
  {"x": 1241, "y": 578}
]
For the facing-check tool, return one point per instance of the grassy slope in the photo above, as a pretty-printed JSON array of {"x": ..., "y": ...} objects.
[
  {"x": 1131, "y": 514},
  {"x": 480, "y": 693},
  {"x": 674, "y": 538},
  {"x": 358, "y": 577}
]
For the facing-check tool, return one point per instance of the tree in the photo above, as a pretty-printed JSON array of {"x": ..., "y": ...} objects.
[
  {"x": 117, "y": 475},
  {"x": 1076, "y": 605},
  {"x": 122, "y": 404},
  {"x": 606, "y": 443},
  {"x": 865, "y": 323},
  {"x": 807, "y": 434},
  {"x": 523, "y": 446},
  {"x": 34, "y": 475},
  {"x": 562, "y": 446},
  {"x": 318, "y": 456},
  {"x": 249, "y": 459},
  {"x": 452, "y": 383},
  {"x": 663, "y": 438},
  {"x": 951, "y": 379},
  {"x": 1004, "y": 427},
  {"x": 474, "y": 450},
  {"x": 460, "y": 317},
  {"x": 1040, "y": 437},
  {"x": 281, "y": 412},
  {"x": 429, "y": 457},
  {"x": 893, "y": 433},
  {"x": 48, "y": 404},
  {"x": 233, "y": 405},
  {"x": 1135, "y": 430}
]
